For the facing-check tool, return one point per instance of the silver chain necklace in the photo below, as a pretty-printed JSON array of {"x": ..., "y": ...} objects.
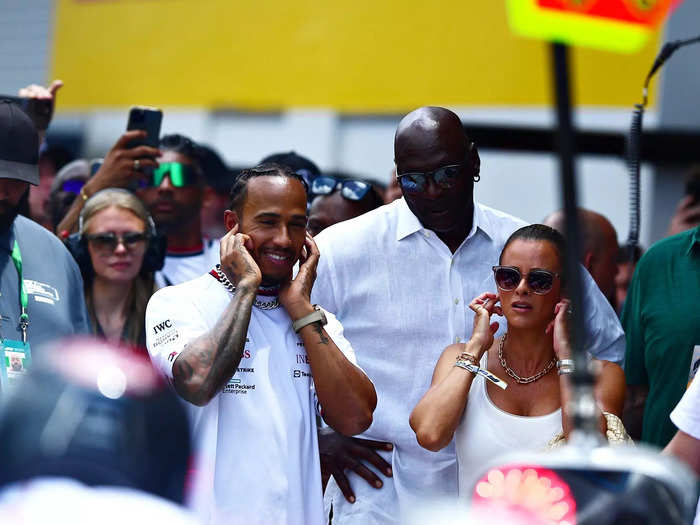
[
  {"x": 511, "y": 372},
  {"x": 263, "y": 305}
]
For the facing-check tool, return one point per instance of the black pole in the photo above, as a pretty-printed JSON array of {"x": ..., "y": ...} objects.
[{"x": 583, "y": 405}]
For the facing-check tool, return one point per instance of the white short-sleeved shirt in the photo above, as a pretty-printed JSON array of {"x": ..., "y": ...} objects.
[
  {"x": 255, "y": 443},
  {"x": 402, "y": 297},
  {"x": 187, "y": 265},
  {"x": 686, "y": 416}
]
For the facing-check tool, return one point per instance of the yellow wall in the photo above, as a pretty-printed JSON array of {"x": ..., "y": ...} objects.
[{"x": 351, "y": 55}]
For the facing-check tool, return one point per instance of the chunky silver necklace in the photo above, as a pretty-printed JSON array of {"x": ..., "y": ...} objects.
[
  {"x": 511, "y": 372},
  {"x": 263, "y": 305}
]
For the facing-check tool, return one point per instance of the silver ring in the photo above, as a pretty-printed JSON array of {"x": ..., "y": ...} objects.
[{"x": 137, "y": 164}]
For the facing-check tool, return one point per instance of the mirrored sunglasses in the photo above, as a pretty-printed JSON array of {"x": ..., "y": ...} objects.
[
  {"x": 352, "y": 189},
  {"x": 108, "y": 241},
  {"x": 539, "y": 281},
  {"x": 180, "y": 175},
  {"x": 416, "y": 181}
]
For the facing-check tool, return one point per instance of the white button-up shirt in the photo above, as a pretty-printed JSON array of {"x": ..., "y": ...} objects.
[{"x": 402, "y": 297}]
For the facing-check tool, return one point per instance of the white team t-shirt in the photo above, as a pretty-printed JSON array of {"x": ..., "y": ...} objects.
[
  {"x": 686, "y": 416},
  {"x": 181, "y": 267},
  {"x": 255, "y": 443}
]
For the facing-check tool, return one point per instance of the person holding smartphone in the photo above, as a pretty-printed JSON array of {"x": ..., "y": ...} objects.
[{"x": 246, "y": 348}]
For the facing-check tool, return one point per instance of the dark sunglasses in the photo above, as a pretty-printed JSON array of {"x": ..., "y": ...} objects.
[
  {"x": 445, "y": 177},
  {"x": 415, "y": 182},
  {"x": 107, "y": 242},
  {"x": 508, "y": 278},
  {"x": 180, "y": 175},
  {"x": 352, "y": 189}
]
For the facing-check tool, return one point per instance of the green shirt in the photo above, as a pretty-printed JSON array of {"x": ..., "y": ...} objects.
[{"x": 661, "y": 319}]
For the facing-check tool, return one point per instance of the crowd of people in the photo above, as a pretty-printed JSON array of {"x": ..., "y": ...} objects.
[{"x": 343, "y": 350}]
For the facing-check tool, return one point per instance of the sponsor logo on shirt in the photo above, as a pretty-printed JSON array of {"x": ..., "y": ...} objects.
[
  {"x": 236, "y": 386},
  {"x": 166, "y": 333},
  {"x": 162, "y": 326},
  {"x": 302, "y": 359},
  {"x": 300, "y": 374}
]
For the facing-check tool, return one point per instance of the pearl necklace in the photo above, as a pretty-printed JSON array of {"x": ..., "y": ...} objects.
[
  {"x": 263, "y": 305},
  {"x": 511, "y": 372}
]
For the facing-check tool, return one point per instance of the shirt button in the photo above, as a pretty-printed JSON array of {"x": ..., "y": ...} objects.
[
  {"x": 457, "y": 339},
  {"x": 456, "y": 300},
  {"x": 426, "y": 235}
]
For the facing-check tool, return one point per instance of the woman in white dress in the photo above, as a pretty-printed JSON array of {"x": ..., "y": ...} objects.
[{"x": 487, "y": 420}]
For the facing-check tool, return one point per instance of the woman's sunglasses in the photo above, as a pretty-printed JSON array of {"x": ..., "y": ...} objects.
[
  {"x": 508, "y": 278},
  {"x": 351, "y": 189},
  {"x": 107, "y": 242}
]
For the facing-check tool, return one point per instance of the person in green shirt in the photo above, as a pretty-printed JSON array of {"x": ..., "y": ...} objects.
[{"x": 661, "y": 319}]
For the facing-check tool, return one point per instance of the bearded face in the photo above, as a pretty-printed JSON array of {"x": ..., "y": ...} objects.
[{"x": 13, "y": 194}]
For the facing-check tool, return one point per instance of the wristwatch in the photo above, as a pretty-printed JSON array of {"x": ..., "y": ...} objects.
[{"x": 316, "y": 316}]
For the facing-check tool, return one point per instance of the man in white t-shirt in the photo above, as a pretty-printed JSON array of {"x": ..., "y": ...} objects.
[
  {"x": 245, "y": 344},
  {"x": 400, "y": 279},
  {"x": 173, "y": 195},
  {"x": 685, "y": 445}
]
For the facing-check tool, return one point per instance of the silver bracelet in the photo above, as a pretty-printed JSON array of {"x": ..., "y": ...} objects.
[{"x": 565, "y": 366}]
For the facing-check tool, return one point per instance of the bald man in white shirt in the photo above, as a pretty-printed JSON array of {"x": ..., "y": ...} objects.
[{"x": 400, "y": 279}]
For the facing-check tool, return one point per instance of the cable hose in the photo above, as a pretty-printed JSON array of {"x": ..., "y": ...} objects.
[{"x": 634, "y": 149}]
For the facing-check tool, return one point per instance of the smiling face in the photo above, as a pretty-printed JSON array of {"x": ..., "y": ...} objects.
[
  {"x": 273, "y": 214},
  {"x": 522, "y": 307},
  {"x": 123, "y": 263}
]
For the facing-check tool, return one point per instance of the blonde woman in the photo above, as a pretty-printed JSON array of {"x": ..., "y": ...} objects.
[{"x": 117, "y": 250}]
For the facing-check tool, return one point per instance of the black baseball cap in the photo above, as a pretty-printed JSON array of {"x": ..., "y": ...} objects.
[{"x": 19, "y": 145}]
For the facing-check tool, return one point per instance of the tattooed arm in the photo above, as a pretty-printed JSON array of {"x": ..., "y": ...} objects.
[
  {"x": 207, "y": 363},
  {"x": 346, "y": 394}
]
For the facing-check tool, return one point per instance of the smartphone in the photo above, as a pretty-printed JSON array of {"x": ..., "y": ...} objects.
[
  {"x": 148, "y": 120},
  {"x": 39, "y": 110}
]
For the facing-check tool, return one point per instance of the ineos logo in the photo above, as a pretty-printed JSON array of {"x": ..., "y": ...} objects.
[{"x": 162, "y": 326}]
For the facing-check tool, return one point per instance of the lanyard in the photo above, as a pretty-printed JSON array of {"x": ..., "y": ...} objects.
[{"x": 23, "y": 300}]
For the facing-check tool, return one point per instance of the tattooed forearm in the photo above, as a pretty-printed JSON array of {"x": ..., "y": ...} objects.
[
  {"x": 323, "y": 338},
  {"x": 207, "y": 363}
]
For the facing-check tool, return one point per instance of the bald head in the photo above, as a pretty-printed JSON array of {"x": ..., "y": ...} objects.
[
  {"x": 599, "y": 247},
  {"x": 426, "y": 128}
]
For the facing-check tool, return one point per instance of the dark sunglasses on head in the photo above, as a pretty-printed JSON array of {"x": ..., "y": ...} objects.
[
  {"x": 108, "y": 241},
  {"x": 508, "y": 278},
  {"x": 351, "y": 189},
  {"x": 180, "y": 175}
]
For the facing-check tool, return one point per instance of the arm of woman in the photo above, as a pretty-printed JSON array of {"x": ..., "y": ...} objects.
[
  {"x": 437, "y": 414},
  {"x": 610, "y": 388}
]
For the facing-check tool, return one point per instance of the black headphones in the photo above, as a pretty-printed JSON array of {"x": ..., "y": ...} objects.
[{"x": 153, "y": 259}]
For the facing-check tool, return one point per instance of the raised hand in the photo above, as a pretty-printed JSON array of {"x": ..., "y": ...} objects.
[
  {"x": 236, "y": 259},
  {"x": 559, "y": 328},
  {"x": 295, "y": 295},
  {"x": 122, "y": 166},
  {"x": 482, "y": 334}
]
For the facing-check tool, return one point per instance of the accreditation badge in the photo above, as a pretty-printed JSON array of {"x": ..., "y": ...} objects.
[{"x": 16, "y": 360}]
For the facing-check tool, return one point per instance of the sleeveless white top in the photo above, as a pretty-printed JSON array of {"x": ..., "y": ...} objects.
[{"x": 487, "y": 431}]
